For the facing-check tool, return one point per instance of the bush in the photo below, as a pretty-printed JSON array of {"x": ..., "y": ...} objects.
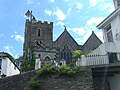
[
  {"x": 34, "y": 83},
  {"x": 65, "y": 71},
  {"x": 48, "y": 69},
  {"x": 78, "y": 69},
  {"x": 61, "y": 71}
]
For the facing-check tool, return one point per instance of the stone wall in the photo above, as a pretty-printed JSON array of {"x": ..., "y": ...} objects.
[
  {"x": 101, "y": 83},
  {"x": 80, "y": 81}
]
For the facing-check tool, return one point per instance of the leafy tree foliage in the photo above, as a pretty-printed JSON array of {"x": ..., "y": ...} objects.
[
  {"x": 29, "y": 65},
  {"x": 77, "y": 55}
]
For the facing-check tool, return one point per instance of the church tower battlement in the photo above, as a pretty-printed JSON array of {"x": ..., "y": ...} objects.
[{"x": 37, "y": 33}]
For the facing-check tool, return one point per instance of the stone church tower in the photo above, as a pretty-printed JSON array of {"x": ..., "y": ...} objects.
[{"x": 39, "y": 37}]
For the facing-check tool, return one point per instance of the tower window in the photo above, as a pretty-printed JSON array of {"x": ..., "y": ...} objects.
[{"x": 39, "y": 32}]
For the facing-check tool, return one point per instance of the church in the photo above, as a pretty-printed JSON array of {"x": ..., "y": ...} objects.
[{"x": 38, "y": 37}]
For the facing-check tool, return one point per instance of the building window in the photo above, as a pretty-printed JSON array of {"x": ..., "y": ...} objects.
[
  {"x": 109, "y": 34},
  {"x": 66, "y": 54},
  {"x": 39, "y": 56},
  {"x": 39, "y": 32}
]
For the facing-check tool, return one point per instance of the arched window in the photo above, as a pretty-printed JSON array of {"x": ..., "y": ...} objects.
[
  {"x": 47, "y": 60},
  {"x": 39, "y": 32},
  {"x": 39, "y": 56},
  {"x": 66, "y": 54}
]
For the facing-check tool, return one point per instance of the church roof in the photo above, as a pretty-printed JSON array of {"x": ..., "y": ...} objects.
[
  {"x": 65, "y": 37},
  {"x": 92, "y": 43}
]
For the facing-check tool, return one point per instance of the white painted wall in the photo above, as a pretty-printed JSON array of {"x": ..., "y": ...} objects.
[
  {"x": 4, "y": 66},
  {"x": 114, "y": 82},
  {"x": 115, "y": 26},
  {"x": 8, "y": 68},
  {"x": 116, "y": 30}
]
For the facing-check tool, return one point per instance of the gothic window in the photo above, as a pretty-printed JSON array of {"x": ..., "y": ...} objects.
[
  {"x": 66, "y": 54},
  {"x": 39, "y": 32},
  {"x": 109, "y": 34},
  {"x": 47, "y": 60},
  {"x": 39, "y": 56}
]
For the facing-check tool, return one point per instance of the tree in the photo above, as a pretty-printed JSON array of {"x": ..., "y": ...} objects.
[
  {"x": 77, "y": 55},
  {"x": 29, "y": 65}
]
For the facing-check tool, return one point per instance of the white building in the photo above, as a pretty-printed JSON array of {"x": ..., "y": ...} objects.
[
  {"x": 110, "y": 27},
  {"x": 7, "y": 66},
  {"x": 108, "y": 53}
]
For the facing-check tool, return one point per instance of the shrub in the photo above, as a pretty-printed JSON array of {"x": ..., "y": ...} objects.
[
  {"x": 61, "y": 71},
  {"x": 78, "y": 69},
  {"x": 34, "y": 83},
  {"x": 65, "y": 71},
  {"x": 48, "y": 69}
]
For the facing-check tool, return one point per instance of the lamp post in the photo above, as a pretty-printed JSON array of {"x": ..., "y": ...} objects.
[{"x": 30, "y": 16}]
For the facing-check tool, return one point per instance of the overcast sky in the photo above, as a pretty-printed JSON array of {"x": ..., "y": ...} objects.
[{"x": 79, "y": 16}]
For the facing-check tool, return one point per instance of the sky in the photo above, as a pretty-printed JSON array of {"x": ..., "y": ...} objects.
[{"x": 79, "y": 16}]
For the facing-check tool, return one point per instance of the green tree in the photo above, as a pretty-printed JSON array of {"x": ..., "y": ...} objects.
[
  {"x": 77, "y": 55},
  {"x": 29, "y": 65},
  {"x": 32, "y": 62}
]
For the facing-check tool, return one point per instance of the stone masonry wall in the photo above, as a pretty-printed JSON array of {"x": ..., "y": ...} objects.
[{"x": 80, "y": 81}]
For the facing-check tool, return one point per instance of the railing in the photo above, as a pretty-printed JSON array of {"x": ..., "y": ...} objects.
[
  {"x": 93, "y": 60},
  {"x": 96, "y": 60}
]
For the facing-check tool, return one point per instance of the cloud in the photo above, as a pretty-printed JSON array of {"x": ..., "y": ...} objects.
[
  {"x": 79, "y": 31},
  {"x": 1, "y": 35},
  {"x": 59, "y": 14},
  {"x": 84, "y": 32},
  {"x": 18, "y": 37},
  {"x": 100, "y": 36},
  {"x": 94, "y": 20},
  {"x": 69, "y": 10},
  {"x": 65, "y": 0},
  {"x": 82, "y": 39},
  {"x": 93, "y": 3},
  {"x": 60, "y": 23},
  {"x": 107, "y": 7},
  {"x": 51, "y": 1},
  {"x": 79, "y": 6},
  {"x": 48, "y": 12},
  {"x": 30, "y": 2},
  {"x": 10, "y": 49}
]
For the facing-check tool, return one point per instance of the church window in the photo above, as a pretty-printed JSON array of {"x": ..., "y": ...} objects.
[
  {"x": 39, "y": 32},
  {"x": 109, "y": 33},
  {"x": 66, "y": 54},
  {"x": 39, "y": 56}
]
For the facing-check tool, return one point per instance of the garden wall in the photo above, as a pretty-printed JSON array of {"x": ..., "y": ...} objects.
[{"x": 80, "y": 81}]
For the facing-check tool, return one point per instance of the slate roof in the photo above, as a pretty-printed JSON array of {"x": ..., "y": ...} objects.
[{"x": 65, "y": 38}]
